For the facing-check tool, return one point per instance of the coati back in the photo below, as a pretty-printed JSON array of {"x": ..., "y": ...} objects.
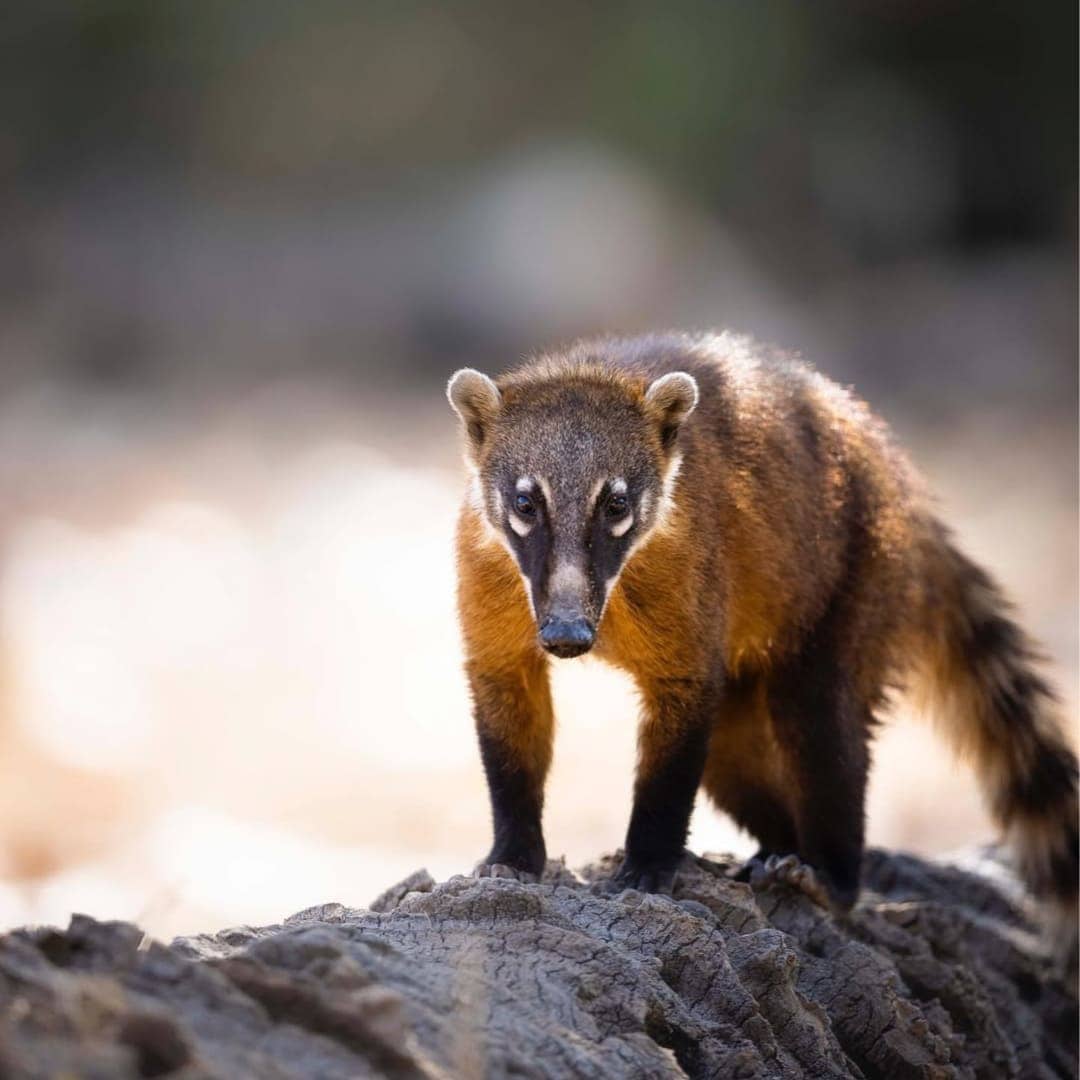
[{"x": 740, "y": 535}]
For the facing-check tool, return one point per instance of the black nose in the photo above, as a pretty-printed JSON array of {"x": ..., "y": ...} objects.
[{"x": 567, "y": 637}]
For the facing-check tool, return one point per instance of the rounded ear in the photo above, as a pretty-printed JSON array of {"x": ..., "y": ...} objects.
[
  {"x": 671, "y": 399},
  {"x": 476, "y": 399}
]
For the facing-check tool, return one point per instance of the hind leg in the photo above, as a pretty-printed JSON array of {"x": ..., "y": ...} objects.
[
  {"x": 743, "y": 772},
  {"x": 823, "y": 732}
]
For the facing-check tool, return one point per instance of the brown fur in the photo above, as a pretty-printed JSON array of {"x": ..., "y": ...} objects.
[{"x": 797, "y": 576}]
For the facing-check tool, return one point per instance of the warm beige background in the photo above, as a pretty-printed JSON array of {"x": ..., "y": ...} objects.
[{"x": 232, "y": 683}]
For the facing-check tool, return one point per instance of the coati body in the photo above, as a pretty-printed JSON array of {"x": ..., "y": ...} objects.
[{"x": 740, "y": 535}]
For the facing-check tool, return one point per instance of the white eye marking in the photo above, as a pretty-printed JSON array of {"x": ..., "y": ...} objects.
[
  {"x": 522, "y": 528},
  {"x": 618, "y": 486},
  {"x": 550, "y": 503},
  {"x": 525, "y": 485},
  {"x": 665, "y": 506}
]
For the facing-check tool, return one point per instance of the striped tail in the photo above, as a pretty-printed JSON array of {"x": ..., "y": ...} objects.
[{"x": 981, "y": 675}]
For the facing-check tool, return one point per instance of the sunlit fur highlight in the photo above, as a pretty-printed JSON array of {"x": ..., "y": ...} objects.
[{"x": 666, "y": 504}]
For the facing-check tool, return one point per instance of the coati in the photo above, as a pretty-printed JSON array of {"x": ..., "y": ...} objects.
[{"x": 742, "y": 537}]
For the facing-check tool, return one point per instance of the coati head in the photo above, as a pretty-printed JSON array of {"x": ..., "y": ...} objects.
[{"x": 573, "y": 467}]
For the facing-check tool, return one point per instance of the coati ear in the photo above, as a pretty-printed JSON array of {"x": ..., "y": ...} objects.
[
  {"x": 671, "y": 399},
  {"x": 476, "y": 399}
]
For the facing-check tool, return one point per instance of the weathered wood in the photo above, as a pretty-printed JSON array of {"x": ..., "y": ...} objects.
[{"x": 934, "y": 975}]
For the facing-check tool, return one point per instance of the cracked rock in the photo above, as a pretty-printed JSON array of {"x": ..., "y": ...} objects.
[{"x": 935, "y": 974}]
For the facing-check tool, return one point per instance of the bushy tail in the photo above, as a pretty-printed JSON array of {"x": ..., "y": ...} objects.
[{"x": 980, "y": 671}]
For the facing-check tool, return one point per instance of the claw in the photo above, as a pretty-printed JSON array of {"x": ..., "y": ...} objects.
[
  {"x": 502, "y": 870},
  {"x": 789, "y": 870}
]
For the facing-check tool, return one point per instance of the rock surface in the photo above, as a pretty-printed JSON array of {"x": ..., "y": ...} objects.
[{"x": 934, "y": 975}]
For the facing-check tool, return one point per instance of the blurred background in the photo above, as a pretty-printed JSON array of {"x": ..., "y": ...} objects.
[{"x": 245, "y": 245}]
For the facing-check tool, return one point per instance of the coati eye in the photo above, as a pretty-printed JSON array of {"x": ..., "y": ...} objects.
[
  {"x": 524, "y": 505},
  {"x": 617, "y": 505}
]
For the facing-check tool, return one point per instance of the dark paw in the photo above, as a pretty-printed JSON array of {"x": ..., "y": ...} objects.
[
  {"x": 843, "y": 890},
  {"x": 501, "y": 870},
  {"x": 645, "y": 877},
  {"x": 516, "y": 865}
]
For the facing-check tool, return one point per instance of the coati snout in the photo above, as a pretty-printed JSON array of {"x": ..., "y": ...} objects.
[
  {"x": 565, "y": 637},
  {"x": 571, "y": 477},
  {"x": 566, "y": 604}
]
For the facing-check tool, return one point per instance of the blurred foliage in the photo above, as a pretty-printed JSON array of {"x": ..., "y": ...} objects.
[
  {"x": 398, "y": 179},
  {"x": 715, "y": 97}
]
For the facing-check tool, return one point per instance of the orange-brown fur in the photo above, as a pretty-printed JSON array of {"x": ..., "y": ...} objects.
[
  {"x": 502, "y": 644},
  {"x": 798, "y": 535}
]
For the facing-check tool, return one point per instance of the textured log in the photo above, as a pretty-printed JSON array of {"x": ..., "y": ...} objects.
[{"x": 934, "y": 975}]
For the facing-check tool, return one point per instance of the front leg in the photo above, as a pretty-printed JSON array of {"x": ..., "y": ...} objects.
[
  {"x": 514, "y": 726},
  {"x": 672, "y": 746}
]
